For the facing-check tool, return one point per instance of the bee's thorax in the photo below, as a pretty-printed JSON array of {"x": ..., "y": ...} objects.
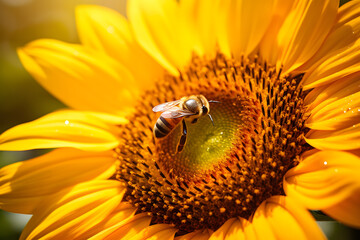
[{"x": 192, "y": 105}]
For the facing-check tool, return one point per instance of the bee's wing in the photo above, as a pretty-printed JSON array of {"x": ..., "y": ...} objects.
[
  {"x": 165, "y": 106},
  {"x": 176, "y": 112}
]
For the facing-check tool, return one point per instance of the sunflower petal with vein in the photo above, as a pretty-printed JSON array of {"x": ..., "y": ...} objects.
[{"x": 281, "y": 137}]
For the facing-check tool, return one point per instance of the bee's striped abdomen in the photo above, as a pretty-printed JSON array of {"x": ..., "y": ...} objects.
[{"x": 164, "y": 126}]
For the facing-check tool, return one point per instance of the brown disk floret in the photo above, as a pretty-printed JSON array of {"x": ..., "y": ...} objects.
[{"x": 265, "y": 114}]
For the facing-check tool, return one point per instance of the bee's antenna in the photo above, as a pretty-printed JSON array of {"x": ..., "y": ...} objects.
[
  {"x": 213, "y": 101},
  {"x": 212, "y": 121}
]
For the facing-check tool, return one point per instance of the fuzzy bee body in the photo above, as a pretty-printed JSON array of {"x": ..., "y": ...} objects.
[
  {"x": 190, "y": 108},
  {"x": 164, "y": 126}
]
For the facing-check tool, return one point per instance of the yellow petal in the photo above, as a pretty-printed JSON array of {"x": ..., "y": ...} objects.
[
  {"x": 356, "y": 152},
  {"x": 321, "y": 96},
  {"x": 281, "y": 217},
  {"x": 338, "y": 56},
  {"x": 344, "y": 139},
  {"x": 163, "y": 31},
  {"x": 72, "y": 212},
  {"x": 304, "y": 30},
  {"x": 323, "y": 179},
  {"x": 120, "y": 216},
  {"x": 335, "y": 106},
  {"x": 347, "y": 211},
  {"x": 348, "y": 11},
  {"x": 338, "y": 65},
  {"x": 242, "y": 24},
  {"x": 157, "y": 231},
  {"x": 269, "y": 46},
  {"x": 196, "y": 235},
  {"x": 346, "y": 29},
  {"x": 204, "y": 15},
  {"x": 221, "y": 233},
  {"x": 106, "y": 30},
  {"x": 80, "y": 77},
  {"x": 64, "y": 128},
  {"x": 108, "y": 118},
  {"x": 22, "y": 184},
  {"x": 233, "y": 229},
  {"x": 125, "y": 229},
  {"x": 261, "y": 224}
]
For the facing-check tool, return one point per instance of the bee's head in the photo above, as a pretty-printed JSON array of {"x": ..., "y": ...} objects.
[{"x": 205, "y": 110}]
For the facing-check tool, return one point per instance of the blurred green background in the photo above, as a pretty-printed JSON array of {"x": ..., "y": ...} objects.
[{"x": 23, "y": 100}]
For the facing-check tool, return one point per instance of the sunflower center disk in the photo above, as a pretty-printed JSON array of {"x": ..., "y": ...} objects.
[
  {"x": 208, "y": 145},
  {"x": 226, "y": 169}
]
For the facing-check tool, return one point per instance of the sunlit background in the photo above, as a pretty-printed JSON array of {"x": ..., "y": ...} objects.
[{"x": 23, "y": 100}]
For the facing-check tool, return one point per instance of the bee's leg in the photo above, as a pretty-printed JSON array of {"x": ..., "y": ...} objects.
[
  {"x": 195, "y": 120},
  {"x": 183, "y": 137}
]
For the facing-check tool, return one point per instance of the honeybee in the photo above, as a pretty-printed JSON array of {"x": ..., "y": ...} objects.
[{"x": 190, "y": 108}]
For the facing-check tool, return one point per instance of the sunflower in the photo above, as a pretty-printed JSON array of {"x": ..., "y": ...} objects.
[{"x": 282, "y": 80}]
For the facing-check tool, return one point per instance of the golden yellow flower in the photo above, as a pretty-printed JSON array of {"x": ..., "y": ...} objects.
[{"x": 285, "y": 139}]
